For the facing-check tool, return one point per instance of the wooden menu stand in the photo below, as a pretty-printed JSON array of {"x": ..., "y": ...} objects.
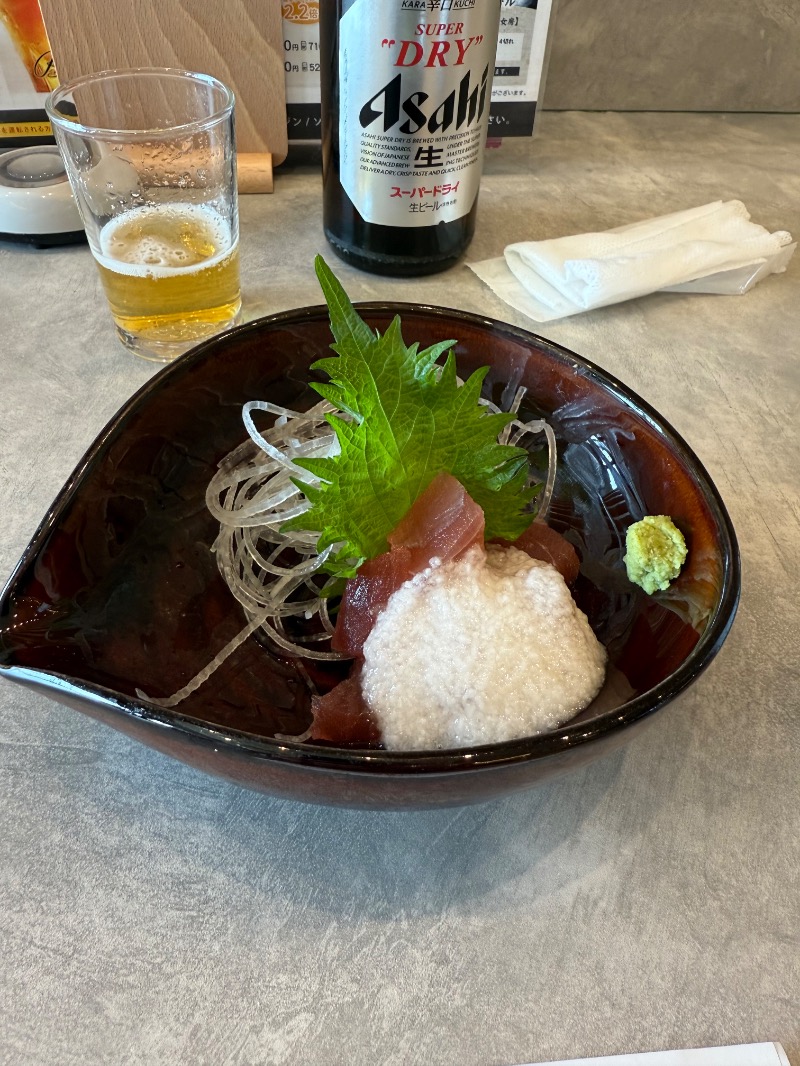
[
  {"x": 254, "y": 171},
  {"x": 240, "y": 42}
]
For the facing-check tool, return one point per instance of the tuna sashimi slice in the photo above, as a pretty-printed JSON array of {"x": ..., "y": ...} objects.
[
  {"x": 442, "y": 523},
  {"x": 342, "y": 715},
  {"x": 365, "y": 596},
  {"x": 542, "y": 542}
]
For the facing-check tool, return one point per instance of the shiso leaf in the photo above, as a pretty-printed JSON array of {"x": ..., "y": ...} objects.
[{"x": 409, "y": 421}]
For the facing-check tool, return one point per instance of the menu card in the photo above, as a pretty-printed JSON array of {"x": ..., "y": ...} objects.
[{"x": 766, "y": 1054}]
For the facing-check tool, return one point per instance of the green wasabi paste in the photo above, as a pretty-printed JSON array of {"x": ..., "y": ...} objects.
[{"x": 655, "y": 552}]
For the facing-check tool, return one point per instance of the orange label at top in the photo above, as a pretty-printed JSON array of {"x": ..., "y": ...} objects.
[{"x": 300, "y": 10}]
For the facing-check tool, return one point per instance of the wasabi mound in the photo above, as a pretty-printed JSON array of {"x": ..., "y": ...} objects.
[{"x": 655, "y": 552}]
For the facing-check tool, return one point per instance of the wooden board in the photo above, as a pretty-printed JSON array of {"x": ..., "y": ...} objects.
[{"x": 238, "y": 41}]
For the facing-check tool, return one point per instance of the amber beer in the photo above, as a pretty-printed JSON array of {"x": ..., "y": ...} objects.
[{"x": 170, "y": 272}]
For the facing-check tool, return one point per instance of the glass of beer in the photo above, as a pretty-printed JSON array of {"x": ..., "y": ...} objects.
[{"x": 151, "y": 159}]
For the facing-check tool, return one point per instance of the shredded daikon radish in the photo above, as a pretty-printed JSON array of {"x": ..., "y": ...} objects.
[
  {"x": 271, "y": 573},
  {"x": 207, "y": 671},
  {"x": 516, "y": 432}
]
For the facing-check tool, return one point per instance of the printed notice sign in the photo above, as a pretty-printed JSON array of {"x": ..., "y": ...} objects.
[
  {"x": 27, "y": 75},
  {"x": 519, "y": 66},
  {"x": 301, "y": 66}
]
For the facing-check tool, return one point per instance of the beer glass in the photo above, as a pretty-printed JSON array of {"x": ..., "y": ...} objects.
[{"x": 151, "y": 159}]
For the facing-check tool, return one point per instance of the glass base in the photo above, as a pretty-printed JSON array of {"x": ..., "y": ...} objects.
[{"x": 165, "y": 349}]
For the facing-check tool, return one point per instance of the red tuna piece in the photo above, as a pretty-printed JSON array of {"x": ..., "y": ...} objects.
[
  {"x": 365, "y": 596},
  {"x": 442, "y": 523},
  {"x": 542, "y": 542},
  {"x": 342, "y": 716}
]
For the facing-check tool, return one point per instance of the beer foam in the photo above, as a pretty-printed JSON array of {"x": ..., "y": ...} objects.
[{"x": 152, "y": 255}]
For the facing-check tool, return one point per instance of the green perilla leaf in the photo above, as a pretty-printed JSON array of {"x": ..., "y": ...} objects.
[{"x": 409, "y": 421}]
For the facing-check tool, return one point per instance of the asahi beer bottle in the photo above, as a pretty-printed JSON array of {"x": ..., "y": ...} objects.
[{"x": 405, "y": 89}]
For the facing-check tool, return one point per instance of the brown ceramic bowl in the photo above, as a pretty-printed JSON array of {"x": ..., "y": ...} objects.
[{"x": 119, "y": 591}]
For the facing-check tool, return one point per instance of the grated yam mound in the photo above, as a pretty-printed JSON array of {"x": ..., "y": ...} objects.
[{"x": 487, "y": 648}]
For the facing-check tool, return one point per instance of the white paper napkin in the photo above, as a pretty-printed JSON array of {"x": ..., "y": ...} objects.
[{"x": 714, "y": 248}]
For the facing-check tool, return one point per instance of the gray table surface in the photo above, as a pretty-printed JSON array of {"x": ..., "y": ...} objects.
[{"x": 150, "y": 914}]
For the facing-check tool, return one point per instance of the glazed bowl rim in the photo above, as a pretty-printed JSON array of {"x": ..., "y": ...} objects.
[{"x": 373, "y": 761}]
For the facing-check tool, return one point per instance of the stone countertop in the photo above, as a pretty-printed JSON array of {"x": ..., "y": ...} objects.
[{"x": 150, "y": 914}]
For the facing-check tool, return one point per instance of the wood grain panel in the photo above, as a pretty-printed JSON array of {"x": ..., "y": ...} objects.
[{"x": 239, "y": 42}]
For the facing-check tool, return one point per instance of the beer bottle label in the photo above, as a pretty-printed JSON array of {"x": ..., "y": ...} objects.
[{"x": 414, "y": 92}]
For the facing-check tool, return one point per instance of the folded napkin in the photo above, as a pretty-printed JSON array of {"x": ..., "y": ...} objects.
[{"x": 714, "y": 248}]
